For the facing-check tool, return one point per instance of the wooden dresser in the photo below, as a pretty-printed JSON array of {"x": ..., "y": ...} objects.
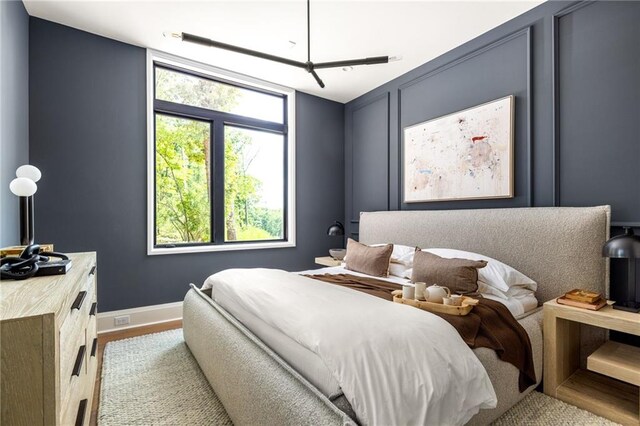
[{"x": 48, "y": 346}]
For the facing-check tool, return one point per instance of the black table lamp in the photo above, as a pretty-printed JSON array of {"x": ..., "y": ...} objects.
[
  {"x": 626, "y": 246},
  {"x": 336, "y": 229}
]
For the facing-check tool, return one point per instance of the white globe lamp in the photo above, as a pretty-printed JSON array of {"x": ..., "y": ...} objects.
[
  {"x": 30, "y": 172},
  {"x": 23, "y": 187}
]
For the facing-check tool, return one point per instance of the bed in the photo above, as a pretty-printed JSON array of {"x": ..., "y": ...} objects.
[{"x": 557, "y": 247}]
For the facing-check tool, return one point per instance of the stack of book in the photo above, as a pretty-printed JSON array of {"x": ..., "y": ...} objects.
[
  {"x": 583, "y": 299},
  {"x": 17, "y": 250}
]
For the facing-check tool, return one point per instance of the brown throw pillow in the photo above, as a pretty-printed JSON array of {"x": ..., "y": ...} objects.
[
  {"x": 368, "y": 260},
  {"x": 459, "y": 275}
]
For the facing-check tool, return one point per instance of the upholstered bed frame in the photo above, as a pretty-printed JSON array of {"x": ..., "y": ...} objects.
[{"x": 560, "y": 248}]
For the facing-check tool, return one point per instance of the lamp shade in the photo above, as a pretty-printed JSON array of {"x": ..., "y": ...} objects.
[
  {"x": 625, "y": 246},
  {"x": 336, "y": 229},
  {"x": 30, "y": 172},
  {"x": 23, "y": 187}
]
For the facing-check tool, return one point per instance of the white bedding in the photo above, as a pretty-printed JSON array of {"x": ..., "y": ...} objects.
[{"x": 379, "y": 353}]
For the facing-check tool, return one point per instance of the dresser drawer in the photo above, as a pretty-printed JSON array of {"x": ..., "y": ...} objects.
[
  {"x": 75, "y": 347},
  {"x": 71, "y": 398},
  {"x": 78, "y": 393},
  {"x": 92, "y": 342}
]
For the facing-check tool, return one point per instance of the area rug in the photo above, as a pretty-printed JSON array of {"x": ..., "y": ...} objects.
[{"x": 154, "y": 380}]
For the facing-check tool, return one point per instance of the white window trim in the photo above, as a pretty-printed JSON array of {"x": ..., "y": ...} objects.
[{"x": 156, "y": 56}]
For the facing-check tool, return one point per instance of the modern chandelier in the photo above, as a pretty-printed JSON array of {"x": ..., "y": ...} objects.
[{"x": 309, "y": 66}]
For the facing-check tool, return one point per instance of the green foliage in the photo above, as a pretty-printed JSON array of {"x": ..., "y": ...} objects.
[
  {"x": 241, "y": 194},
  {"x": 183, "y": 207},
  {"x": 252, "y": 233},
  {"x": 182, "y": 180},
  {"x": 187, "y": 89}
]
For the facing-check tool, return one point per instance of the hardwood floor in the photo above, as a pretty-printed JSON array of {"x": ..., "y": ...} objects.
[{"x": 103, "y": 339}]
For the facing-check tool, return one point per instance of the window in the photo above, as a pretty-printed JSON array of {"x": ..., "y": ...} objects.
[{"x": 221, "y": 154}]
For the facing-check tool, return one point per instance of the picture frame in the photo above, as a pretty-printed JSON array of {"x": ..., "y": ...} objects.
[{"x": 465, "y": 155}]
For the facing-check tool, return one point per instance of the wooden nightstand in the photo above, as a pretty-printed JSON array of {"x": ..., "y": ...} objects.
[
  {"x": 328, "y": 261},
  {"x": 609, "y": 386}
]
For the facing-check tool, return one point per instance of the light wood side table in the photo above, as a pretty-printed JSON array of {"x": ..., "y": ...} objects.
[
  {"x": 328, "y": 261},
  {"x": 610, "y": 385}
]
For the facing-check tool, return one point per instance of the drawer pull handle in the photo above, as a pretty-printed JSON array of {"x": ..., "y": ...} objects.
[
  {"x": 94, "y": 347},
  {"x": 82, "y": 410},
  {"x": 92, "y": 311},
  {"x": 79, "y": 299},
  {"x": 93, "y": 270},
  {"x": 79, "y": 360}
]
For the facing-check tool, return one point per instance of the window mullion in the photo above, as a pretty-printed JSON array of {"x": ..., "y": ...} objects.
[{"x": 217, "y": 162}]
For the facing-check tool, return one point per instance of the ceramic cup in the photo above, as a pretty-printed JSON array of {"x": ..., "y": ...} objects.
[
  {"x": 420, "y": 286},
  {"x": 448, "y": 301},
  {"x": 408, "y": 292},
  {"x": 457, "y": 299}
]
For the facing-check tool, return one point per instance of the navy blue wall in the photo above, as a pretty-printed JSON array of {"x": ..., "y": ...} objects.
[
  {"x": 574, "y": 69},
  {"x": 88, "y": 135},
  {"x": 14, "y": 123}
]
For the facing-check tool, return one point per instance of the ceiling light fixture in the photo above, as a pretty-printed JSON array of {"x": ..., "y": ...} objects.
[{"x": 309, "y": 66}]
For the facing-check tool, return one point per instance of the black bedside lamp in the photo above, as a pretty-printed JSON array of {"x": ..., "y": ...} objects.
[
  {"x": 336, "y": 229},
  {"x": 626, "y": 246}
]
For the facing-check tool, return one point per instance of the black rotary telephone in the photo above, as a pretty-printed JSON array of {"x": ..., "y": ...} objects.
[{"x": 31, "y": 262}]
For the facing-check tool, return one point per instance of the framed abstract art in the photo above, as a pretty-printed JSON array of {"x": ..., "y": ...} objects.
[{"x": 461, "y": 156}]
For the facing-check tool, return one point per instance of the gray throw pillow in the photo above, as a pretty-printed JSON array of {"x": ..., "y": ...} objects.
[
  {"x": 459, "y": 275},
  {"x": 368, "y": 260}
]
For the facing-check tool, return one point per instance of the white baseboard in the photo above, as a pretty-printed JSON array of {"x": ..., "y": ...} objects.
[{"x": 138, "y": 317}]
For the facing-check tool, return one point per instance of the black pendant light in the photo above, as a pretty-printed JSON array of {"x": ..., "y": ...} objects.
[{"x": 309, "y": 66}]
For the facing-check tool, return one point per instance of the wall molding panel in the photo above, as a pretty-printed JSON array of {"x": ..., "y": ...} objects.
[
  {"x": 518, "y": 59},
  {"x": 555, "y": 22},
  {"x": 595, "y": 110},
  {"x": 366, "y": 156},
  {"x": 524, "y": 31}
]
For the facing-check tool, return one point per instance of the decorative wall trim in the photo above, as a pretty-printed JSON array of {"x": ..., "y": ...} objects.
[
  {"x": 138, "y": 317},
  {"x": 529, "y": 117},
  {"x": 466, "y": 57},
  {"x": 525, "y": 31},
  {"x": 358, "y": 107},
  {"x": 555, "y": 92}
]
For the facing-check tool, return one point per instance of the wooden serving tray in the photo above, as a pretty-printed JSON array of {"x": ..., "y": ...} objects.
[{"x": 467, "y": 304}]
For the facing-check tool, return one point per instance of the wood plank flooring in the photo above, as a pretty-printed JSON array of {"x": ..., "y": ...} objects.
[{"x": 104, "y": 338}]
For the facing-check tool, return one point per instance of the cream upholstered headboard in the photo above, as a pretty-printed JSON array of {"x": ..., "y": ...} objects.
[{"x": 558, "y": 247}]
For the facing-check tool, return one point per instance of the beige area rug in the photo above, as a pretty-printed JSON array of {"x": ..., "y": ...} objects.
[{"x": 154, "y": 380}]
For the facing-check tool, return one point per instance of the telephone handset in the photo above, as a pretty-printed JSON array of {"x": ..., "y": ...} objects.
[{"x": 29, "y": 263}]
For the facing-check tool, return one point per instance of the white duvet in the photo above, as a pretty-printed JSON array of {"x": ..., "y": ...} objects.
[{"x": 396, "y": 365}]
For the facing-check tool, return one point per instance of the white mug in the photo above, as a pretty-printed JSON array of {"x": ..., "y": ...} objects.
[
  {"x": 457, "y": 299},
  {"x": 449, "y": 301},
  {"x": 420, "y": 287},
  {"x": 408, "y": 292}
]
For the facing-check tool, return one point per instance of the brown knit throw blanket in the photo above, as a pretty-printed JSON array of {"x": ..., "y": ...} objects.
[{"x": 489, "y": 325}]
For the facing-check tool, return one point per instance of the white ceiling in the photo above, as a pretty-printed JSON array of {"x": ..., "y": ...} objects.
[{"x": 416, "y": 30}]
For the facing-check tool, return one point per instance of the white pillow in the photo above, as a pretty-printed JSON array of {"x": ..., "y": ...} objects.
[
  {"x": 403, "y": 255},
  {"x": 399, "y": 270},
  {"x": 496, "y": 274}
]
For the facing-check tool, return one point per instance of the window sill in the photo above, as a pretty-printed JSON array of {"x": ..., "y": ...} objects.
[{"x": 154, "y": 251}]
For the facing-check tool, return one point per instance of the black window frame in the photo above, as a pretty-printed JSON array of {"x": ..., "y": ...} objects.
[{"x": 218, "y": 121}]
